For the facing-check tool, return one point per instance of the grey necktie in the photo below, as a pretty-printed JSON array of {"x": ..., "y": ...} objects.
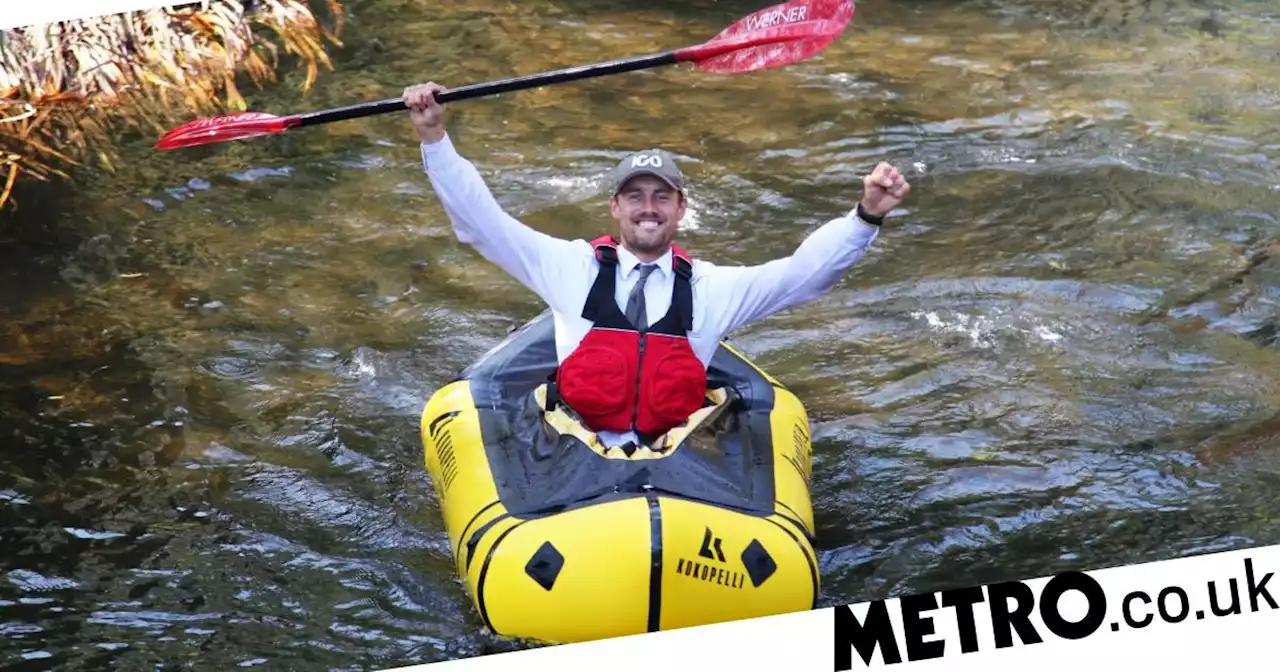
[{"x": 635, "y": 302}]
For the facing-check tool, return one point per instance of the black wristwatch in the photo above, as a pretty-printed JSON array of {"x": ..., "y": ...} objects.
[{"x": 874, "y": 220}]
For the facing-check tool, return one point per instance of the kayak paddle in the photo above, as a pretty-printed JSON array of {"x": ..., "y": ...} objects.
[{"x": 773, "y": 37}]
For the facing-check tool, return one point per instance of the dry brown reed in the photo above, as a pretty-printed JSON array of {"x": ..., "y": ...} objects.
[{"x": 68, "y": 89}]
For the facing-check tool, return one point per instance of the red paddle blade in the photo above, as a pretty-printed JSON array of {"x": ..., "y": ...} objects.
[
  {"x": 224, "y": 128},
  {"x": 773, "y": 37}
]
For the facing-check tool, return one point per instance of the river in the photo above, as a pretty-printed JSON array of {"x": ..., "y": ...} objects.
[{"x": 1063, "y": 353}]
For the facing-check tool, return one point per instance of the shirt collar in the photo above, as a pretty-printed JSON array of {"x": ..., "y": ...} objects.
[{"x": 627, "y": 262}]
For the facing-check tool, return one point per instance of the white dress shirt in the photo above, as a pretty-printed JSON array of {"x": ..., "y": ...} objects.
[{"x": 561, "y": 272}]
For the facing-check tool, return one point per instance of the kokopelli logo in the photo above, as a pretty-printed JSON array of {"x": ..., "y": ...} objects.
[
  {"x": 650, "y": 161},
  {"x": 711, "y": 542}
]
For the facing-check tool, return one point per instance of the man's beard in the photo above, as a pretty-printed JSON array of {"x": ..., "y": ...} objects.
[{"x": 647, "y": 245}]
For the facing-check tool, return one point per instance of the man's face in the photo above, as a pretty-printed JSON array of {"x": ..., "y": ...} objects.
[{"x": 647, "y": 210}]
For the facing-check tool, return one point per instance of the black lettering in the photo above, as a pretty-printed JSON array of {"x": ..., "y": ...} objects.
[
  {"x": 1136, "y": 595},
  {"x": 915, "y": 627},
  {"x": 963, "y": 600},
  {"x": 1092, "y": 592},
  {"x": 1182, "y": 595},
  {"x": 448, "y": 461},
  {"x": 717, "y": 575},
  {"x": 1259, "y": 589},
  {"x": 1002, "y": 618},
  {"x": 1235, "y": 600},
  {"x": 440, "y": 422},
  {"x": 877, "y": 630},
  {"x": 801, "y": 454}
]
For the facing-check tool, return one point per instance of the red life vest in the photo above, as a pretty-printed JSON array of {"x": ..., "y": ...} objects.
[{"x": 619, "y": 378}]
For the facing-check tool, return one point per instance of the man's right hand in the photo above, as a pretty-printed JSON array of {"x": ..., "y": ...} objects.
[{"x": 426, "y": 114}]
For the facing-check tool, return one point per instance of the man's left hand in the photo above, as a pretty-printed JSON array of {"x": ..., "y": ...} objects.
[{"x": 884, "y": 189}]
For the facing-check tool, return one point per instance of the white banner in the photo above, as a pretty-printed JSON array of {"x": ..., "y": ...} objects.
[
  {"x": 1212, "y": 611},
  {"x": 16, "y": 13}
]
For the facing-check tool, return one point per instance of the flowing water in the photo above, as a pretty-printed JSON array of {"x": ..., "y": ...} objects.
[{"x": 1062, "y": 352}]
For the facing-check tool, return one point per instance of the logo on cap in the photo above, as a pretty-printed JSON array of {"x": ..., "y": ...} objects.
[
  {"x": 654, "y": 162},
  {"x": 646, "y": 160}
]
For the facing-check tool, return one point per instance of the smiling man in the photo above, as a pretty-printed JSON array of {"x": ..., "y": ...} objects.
[
  {"x": 648, "y": 202},
  {"x": 637, "y": 320}
]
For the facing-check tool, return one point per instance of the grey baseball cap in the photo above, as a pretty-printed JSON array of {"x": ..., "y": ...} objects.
[{"x": 657, "y": 162}]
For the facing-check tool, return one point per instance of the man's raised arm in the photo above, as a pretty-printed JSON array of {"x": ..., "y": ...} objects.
[
  {"x": 746, "y": 294},
  {"x": 535, "y": 259}
]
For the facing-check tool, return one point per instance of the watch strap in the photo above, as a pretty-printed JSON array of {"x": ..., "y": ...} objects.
[{"x": 874, "y": 220}]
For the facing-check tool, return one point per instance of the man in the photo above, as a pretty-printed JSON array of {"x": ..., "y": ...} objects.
[{"x": 636, "y": 320}]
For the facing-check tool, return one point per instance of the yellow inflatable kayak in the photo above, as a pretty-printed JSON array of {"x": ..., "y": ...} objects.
[{"x": 560, "y": 539}]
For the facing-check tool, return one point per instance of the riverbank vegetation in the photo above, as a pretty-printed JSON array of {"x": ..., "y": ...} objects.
[{"x": 69, "y": 90}]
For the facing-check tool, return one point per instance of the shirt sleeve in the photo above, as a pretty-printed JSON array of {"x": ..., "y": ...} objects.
[
  {"x": 739, "y": 295},
  {"x": 537, "y": 260}
]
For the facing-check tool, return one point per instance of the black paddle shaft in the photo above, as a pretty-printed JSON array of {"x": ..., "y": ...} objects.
[{"x": 492, "y": 88}]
